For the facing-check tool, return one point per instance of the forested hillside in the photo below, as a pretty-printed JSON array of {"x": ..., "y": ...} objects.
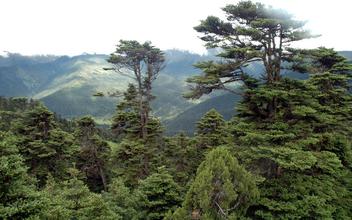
[
  {"x": 66, "y": 85},
  {"x": 262, "y": 130}
]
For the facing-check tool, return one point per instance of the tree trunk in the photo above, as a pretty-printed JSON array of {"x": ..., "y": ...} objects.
[
  {"x": 103, "y": 178},
  {"x": 143, "y": 131}
]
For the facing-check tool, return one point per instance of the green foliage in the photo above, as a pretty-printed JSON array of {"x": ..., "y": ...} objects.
[
  {"x": 129, "y": 160},
  {"x": 251, "y": 33},
  {"x": 93, "y": 155},
  {"x": 303, "y": 196},
  {"x": 319, "y": 60},
  {"x": 44, "y": 147},
  {"x": 305, "y": 144},
  {"x": 12, "y": 108},
  {"x": 126, "y": 122},
  {"x": 72, "y": 199},
  {"x": 182, "y": 158},
  {"x": 18, "y": 196},
  {"x": 158, "y": 194},
  {"x": 145, "y": 62},
  {"x": 133, "y": 123},
  {"x": 121, "y": 200},
  {"x": 222, "y": 189},
  {"x": 211, "y": 130},
  {"x": 287, "y": 154}
]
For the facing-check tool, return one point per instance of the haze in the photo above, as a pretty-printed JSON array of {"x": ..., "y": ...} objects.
[{"x": 94, "y": 26}]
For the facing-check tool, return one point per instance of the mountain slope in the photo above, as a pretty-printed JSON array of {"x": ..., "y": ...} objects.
[
  {"x": 66, "y": 84},
  {"x": 347, "y": 54},
  {"x": 186, "y": 121}
]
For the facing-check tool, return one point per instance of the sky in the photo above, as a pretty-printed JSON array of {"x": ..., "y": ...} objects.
[{"x": 73, "y": 27}]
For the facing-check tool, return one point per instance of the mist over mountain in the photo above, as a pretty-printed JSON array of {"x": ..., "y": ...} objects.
[{"x": 66, "y": 86}]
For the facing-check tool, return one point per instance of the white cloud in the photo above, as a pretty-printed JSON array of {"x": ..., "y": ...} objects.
[{"x": 77, "y": 26}]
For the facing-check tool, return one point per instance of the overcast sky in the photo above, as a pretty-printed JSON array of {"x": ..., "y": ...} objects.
[{"x": 73, "y": 27}]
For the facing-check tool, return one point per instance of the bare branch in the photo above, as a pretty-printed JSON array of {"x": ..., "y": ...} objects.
[{"x": 220, "y": 209}]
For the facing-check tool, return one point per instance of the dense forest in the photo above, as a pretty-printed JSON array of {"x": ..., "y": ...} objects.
[{"x": 284, "y": 152}]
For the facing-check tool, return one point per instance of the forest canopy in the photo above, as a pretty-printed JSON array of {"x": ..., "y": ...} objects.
[{"x": 286, "y": 154}]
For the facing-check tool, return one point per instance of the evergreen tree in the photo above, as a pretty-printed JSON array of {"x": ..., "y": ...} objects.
[
  {"x": 13, "y": 108},
  {"x": 145, "y": 62},
  {"x": 121, "y": 200},
  {"x": 252, "y": 33},
  {"x": 185, "y": 154},
  {"x": 126, "y": 161},
  {"x": 126, "y": 121},
  {"x": 222, "y": 189},
  {"x": 44, "y": 147},
  {"x": 133, "y": 120},
  {"x": 181, "y": 157},
  {"x": 286, "y": 130},
  {"x": 158, "y": 194},
  {"x": 133, "y": 160},
  {"x": 306, "y": 144},
  {"x": 94, "y": 154},
  {"x": 318, "y": 60},
  {"x": 211, "y": 130},
  {"x": 18, "y": 196},
  {"x": 72, "y": 199}
]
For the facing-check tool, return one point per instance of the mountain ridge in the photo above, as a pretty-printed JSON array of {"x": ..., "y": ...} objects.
[{"x": 67, "y": 84}]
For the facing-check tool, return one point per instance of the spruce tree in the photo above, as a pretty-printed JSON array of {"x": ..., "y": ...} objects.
[
  {"x": 127, "y": 161},
  {"x": 126, "y": 121},
  {"x": 71, "y": 199},
  {"x": 211, "y": 130},
  {"x": 12, "y": 109},
  {"x": 44, "y": 147},
  {"x": 181, "y": 157},
  {"x": 158, "y": 194},
  {"x": 121, "y": 199},
  {"x": 18, "y": 196},
  {"x": 93, "y": 155}
]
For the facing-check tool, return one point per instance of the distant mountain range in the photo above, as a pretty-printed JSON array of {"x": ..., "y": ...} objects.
[
  {"x": 347, "y": 54},
  {"x": 67, "y": 84},
  {"x": 224, "y": 104}
]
